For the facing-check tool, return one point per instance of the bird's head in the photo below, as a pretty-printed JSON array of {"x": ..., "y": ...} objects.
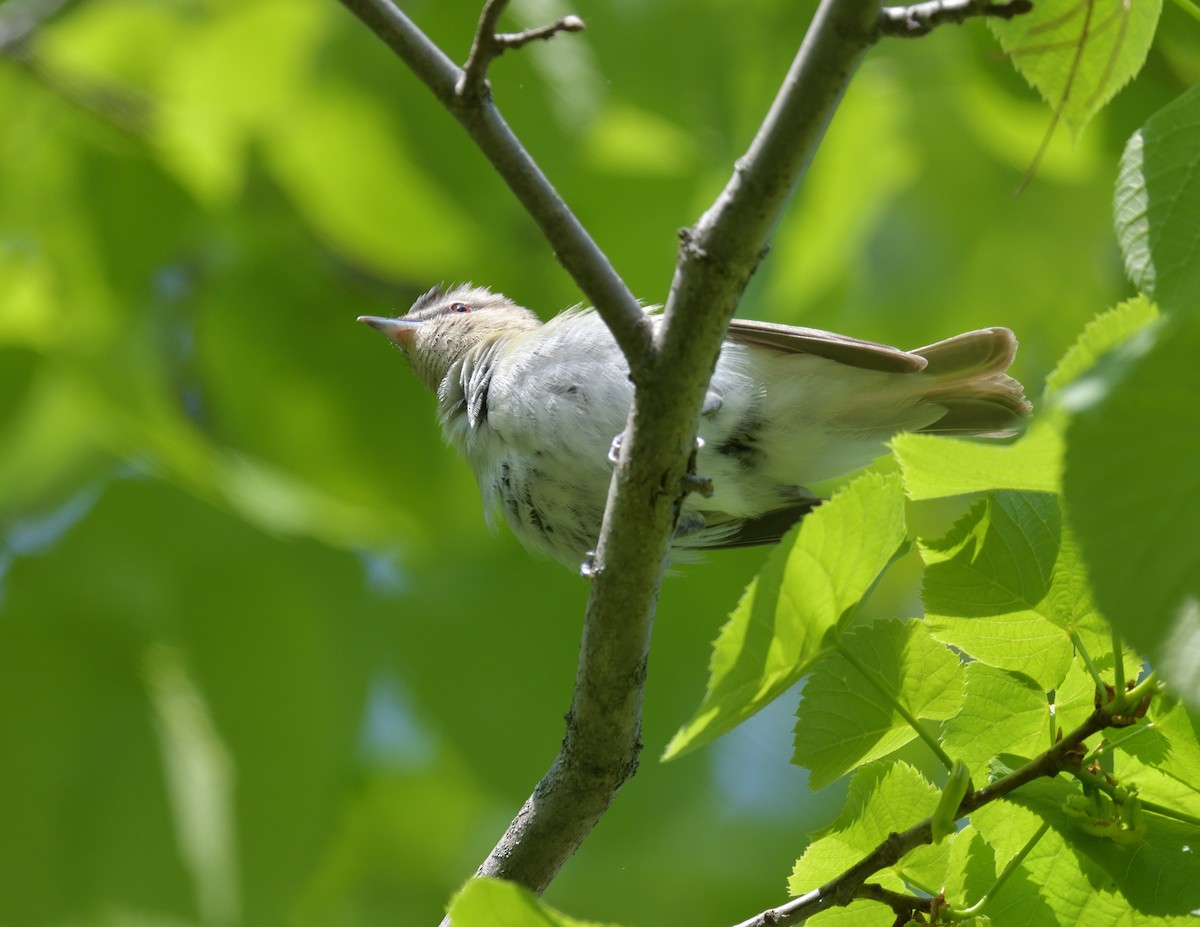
[{"x": 446, "y": 323}]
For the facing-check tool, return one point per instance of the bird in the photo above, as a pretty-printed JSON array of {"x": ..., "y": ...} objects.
[{"x": 535, "y": 407}]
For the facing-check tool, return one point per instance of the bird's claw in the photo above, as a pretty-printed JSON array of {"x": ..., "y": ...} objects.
[
  {"x": 614, "y": 449},
  {"x": 691, "y": 482},
  {"x": 588, "y": 569}
]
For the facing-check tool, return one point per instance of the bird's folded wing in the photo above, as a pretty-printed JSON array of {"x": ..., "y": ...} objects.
[{"x": 796, "y": 340}]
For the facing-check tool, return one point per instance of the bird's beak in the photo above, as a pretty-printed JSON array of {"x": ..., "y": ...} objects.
[{"x": 398, "y": 330}]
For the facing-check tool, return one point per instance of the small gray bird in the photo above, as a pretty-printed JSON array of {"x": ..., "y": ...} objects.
[{"x": 535, "y": 408}]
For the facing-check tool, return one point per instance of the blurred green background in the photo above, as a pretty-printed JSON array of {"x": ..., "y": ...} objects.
[{"x": 262, "y": 664}]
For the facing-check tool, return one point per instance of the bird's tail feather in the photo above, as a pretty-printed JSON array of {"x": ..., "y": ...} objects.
[{"x": 979, "y": 397}]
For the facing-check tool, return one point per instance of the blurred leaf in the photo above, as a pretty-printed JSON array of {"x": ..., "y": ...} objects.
[
  {"x": 1104, "y": 333},
  {"x": 864, "y": 162},
  {"x": 1133, "y": 494},
  {"x": 1006, "y": 587},
  {"x": 175, "y": 666},
  {"x": 845, "y": 721},
  {"x": 795, "y": 609},
  {"x": 342, "y": 159},
  {"x": 627, "y": 140},
  {"x": 1156, "y": 200},
  {"x": 238, "y": 73},
  {"x": 1079, "y": 53},
  {"x": 493, "y": 903}
]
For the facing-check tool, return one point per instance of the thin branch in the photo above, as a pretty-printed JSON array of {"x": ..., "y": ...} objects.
[
  {"x": 572, "y": 245},
  {"x": 490, "y": 44},
  {"x": 899, "y": 902},
  {"x": 484, "y": 48},
  {"x": 849, "y": 885},
  {"x": 908, "y": 22},
  {"x": 525, "y": 36},
  {"x": 20, "y": 19}
]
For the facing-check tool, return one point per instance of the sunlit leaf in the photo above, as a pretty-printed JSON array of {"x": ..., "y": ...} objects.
[
  {"x": 1079, "y": 53},
  {"x": 1156, "y": 202},
  {"x": 883, "y": 799},
  {"x": 1133, "y": 494},
  {"x": 1003, "y": 712},
  {"x": 1155, "y": 868},
  {"x": 1006, "y": 586},
  {"x": 493, "y": 903},
  {"x": 795, "y": 607},
  {"x": 935, "y": 466},
  {"x": 847, "y": 719}
]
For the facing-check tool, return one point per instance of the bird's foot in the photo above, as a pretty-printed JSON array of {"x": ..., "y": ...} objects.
[
  {"x": 614, "y": 449},
  {"x": 588, "y": 569}
]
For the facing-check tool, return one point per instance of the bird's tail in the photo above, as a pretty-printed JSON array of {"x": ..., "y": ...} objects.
[{"x": 980, "y": 398}]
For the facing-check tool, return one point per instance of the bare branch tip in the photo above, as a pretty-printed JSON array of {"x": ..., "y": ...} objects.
[
  {"x": 922, "y": 18},
  {"x": 569, "y": 23}
]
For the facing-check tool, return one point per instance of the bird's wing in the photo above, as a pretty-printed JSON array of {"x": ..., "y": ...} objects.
[
  {"x": 765, "y": 529},
  {"x": 851, "y": 351}
]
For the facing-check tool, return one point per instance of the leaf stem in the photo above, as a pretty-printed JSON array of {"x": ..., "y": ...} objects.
[
  {"x": 1087, "y": 661},
  {"x": 1118, "y": 647},
  {"x": 1190, "y": 8},
  {"x": 886, "y": 691},
  {"x": 1005, "y": 874},
  {"x": 1117, "y": 794},
  {"x": 1129, "y": 698}
]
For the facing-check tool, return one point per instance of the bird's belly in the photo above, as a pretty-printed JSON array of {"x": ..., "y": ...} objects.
[{"x": 553, "y": 505}]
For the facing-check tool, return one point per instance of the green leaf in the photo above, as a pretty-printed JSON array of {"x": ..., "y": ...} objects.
[
  {"x": 882, "y": 799},
  {"x": 1179, "y": 745},
  {"x": 847, "y": 719},
  {"x": 1006, "y": 586},
  {"x": 1157, "y": 870},
  {"x": 1132, "y": 488},
  {"x": 493, "y": 903},
  {"x": 230, "y": 666},
  {"x": 343, "y": 159},
  {"x": 225, "y": 83},
  {"x": 1003, "y": 712},
  {"x": 1156, "y": 203},
  {"x": 936, "y": 466},
  {"x": 796, "y": 607},
  {"x": 1104, "y": 333},
  {"x": 1077, "y": 55},
  {"x": 858, "y": 913}
]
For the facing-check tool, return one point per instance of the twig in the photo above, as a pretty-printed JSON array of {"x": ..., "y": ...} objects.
[
  {"x": 489, "y": 44},
  {"x": 573, "y": 246},
  {"x": 899, "y": 902},
  {"x": 908, "y": 22},
  {"x": 850, "y": 884},
  {"x": 20, "y": 19},
  {"x": 483, "y": 49},
  {"x": 525, "y": 36}
]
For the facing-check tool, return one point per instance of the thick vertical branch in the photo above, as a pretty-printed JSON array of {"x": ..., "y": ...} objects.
[{"x": 603, "y": 737}]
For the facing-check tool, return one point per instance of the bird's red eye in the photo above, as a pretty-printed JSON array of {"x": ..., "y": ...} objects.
[{"x": 459, "y": 307}]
